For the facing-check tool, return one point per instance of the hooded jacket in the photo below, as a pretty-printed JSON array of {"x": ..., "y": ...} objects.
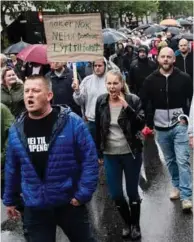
[
  {"x": 90, "y": 89},
  {"x": 191, "y": 121},
  {"x": 72, "y": 169},
  {"x": 13, "y": 98},
  {"x": 166, "y": 98},
  {"x": 62, "y": 90},
  {"x": 6, "y": 121},
  {"x": 185, "y": 64},
  {"x": 128, "y": 58},
  {"x": 140, "y": 69}
]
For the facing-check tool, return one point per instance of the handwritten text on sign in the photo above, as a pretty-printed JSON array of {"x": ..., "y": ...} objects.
[{"x": 74, "y": 37}]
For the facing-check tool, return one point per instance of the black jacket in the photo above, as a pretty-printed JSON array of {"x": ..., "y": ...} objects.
[
  {"x": 131, "y": 121},
  {"x": 166, "y": 98},
  {"x": 62, "y": 90},
  {"x": 138, "y": 72},
  {"x": 185, "y": 65}
]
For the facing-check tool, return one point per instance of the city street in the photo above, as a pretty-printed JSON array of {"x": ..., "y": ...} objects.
[{"x": 161, "y": 219}]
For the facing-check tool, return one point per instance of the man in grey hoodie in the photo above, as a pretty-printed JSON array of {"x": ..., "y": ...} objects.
[
  {"x": 191, "y": 125},
  {"x": 89, "y": 90}
]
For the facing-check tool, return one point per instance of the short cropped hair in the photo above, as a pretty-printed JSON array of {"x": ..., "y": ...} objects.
[
  {"x": 46, "y": 81},
  {"x": 3, "y": 59}
]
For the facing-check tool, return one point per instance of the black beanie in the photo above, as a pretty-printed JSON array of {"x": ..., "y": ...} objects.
[{"x": 144, "y": 48}]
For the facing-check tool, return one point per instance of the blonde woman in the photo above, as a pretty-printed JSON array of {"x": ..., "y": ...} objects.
[{"x": 119, "y": 119}]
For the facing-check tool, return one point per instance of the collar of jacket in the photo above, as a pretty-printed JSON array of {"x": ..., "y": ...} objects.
[
  {"x": 15, "y": 86},
  {"x": 65, "y": 72},
  {"x": 58, "y": 126},
  {"x": 174, "y": 73}
]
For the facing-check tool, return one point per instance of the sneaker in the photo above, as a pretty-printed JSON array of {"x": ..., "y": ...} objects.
[
  {"x": 126, "y": 232},
  {"x": 135, "y": 232},
  {"x": 175, "y": 194},
  {"x": 187, "y": 205}
]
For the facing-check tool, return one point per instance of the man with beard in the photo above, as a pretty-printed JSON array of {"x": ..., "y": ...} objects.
[
  {"x": 172, "y": 43},
  {"x": 184, "y": 61},
  {"x": 140, "y": 69},
  {"x": 168, "y": 90}
]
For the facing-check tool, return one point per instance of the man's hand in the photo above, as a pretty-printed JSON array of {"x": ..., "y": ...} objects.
[
  {"x": 191, "y": 142},
  {"x": 75, "y": 202},
  {"x": 12, "y": 213},
  {"x": 100, "y": 161},
  {"x": 75, "y": 85}
]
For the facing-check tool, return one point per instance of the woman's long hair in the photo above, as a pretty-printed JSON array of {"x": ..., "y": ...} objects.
[{"x": 125, "y": 89}]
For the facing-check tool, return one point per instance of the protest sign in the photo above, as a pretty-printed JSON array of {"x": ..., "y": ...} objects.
[{"x": 73, "y": 37}]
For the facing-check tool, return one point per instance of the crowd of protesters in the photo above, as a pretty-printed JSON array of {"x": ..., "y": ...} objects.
[{"x": 65, "y": 127}]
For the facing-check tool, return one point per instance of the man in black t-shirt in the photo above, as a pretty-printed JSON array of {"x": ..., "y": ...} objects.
[{"x": 52, "y": 153}]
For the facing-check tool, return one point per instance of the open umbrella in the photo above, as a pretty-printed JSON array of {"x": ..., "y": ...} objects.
[
  {"x": 174, "y": 30},
  {"x": 154, "y": 29},
  {"x": 34, "y": 53},
  {"x": 124, "y": 30},
  {"x": 143, "y": 26},
  {"x": 188, "y": 37},
  {"x": 110, "y": 37},
  {"x": 169, "y": 22},
  {"x": 16, "y": 48},
  {"x": 184, "y": 22}
]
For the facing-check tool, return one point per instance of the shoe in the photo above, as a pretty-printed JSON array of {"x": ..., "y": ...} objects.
[
  {"x": 135, "y": 219},
  {"x": 175, "y": 194},
  {"x": 135, "y": 232},
  {"x": 126, "y": 233},
  {"x": 187, "y": 205}
]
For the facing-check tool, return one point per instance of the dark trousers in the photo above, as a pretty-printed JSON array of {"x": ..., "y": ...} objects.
[
  {"x": 41, "y": 223},
  {"x": 92, "y": 128},
  {"x": 115, "y": 165}
]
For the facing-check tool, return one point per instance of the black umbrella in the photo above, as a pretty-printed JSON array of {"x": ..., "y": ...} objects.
[
  {"x": 110, "y": 37},
  {"x": 154, "y": 29},
  {"x": 185, "y": 22},
  {"x": 143, "y": 26},
  {"x": 174, "y": 30},
  {"x": 188, "y": 37},
  {"x": 124, "y": 30},
  {"x": 16, "y": 48}
]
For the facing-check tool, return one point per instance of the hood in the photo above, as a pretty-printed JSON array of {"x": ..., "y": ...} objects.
[
  {"x": 106, "y": 66},
  {"x": 156, "y": 73},
  {"x": 144, "y": 48},
  {"x": 129, "y": 45}
]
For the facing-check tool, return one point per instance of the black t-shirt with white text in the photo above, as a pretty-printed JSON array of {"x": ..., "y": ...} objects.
[{"x": 38, "y": 133}]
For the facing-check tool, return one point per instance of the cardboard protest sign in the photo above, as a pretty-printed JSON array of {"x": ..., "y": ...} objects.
[{"x": 74, "y": 37}]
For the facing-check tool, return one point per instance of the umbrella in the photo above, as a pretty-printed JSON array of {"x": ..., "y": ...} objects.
[
  {"x": 111, "y": 37},
  {"x": 143, "y": 26},
  {"x": 188, "y": 37},
  {"x": 124, "y": 30},
  {"x": 184, "y": 22},
  {"x": 154, "y": 29},
  {"x": 174, "y": 30},
  {"x": 34, "y": 53},
  {"x": 16, "y": 48},
  {"x": 169, "y": 22}
]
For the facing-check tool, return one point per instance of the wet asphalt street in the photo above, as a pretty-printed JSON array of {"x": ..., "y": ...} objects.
[{"x": 161, "y": 219}]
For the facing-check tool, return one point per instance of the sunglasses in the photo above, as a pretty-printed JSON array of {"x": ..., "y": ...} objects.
[{"x": 98, "y": 65}]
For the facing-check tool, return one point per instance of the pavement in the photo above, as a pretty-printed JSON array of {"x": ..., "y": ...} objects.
[{"x": 161, "y": 219}]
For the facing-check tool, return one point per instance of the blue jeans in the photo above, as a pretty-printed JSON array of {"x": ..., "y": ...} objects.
[
  {"x": 175, "y": 147},
  {"x": 92, "y": 128},
  {"x": 114, "y": 167},
  {"x": 41, "y": 223}
]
